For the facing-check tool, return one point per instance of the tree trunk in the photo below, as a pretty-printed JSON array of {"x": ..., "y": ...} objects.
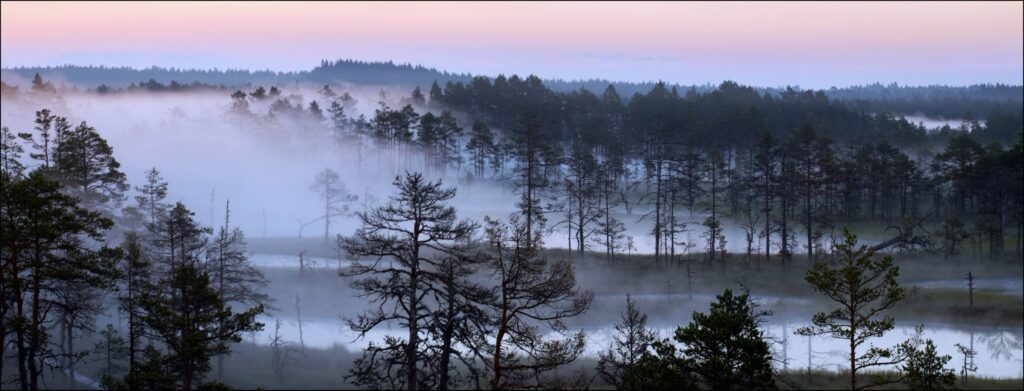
[
  {"x": 446, "y": 336},
  {"x": 767, "y": 216},
  {"x": 410, "y": 351},
  {"x": 498, "y": 339},
  {"x": 807, "y": 212},
  {"x": 71, "y": 351},
  {"x": 657, "y": 212},
  {"x": 34, "y": 337}
]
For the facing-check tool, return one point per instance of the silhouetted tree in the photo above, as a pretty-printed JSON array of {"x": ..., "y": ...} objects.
[
  {"x": 398, "y": 236},
  {"x": 864, "y": 289},
  {"x": 46, "y": 247},
  {"x": 335, "y": 195},
  {"x": 629, "y": 346},
  {"x": 530, "y": 289}
]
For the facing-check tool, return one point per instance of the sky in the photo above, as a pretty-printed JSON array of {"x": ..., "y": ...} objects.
[{"x": 815, "y": 45}]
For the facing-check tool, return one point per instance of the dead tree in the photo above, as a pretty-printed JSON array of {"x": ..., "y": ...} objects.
[
  {"x": 280, "y": 352},
  {"x": 905, "y": 237}
]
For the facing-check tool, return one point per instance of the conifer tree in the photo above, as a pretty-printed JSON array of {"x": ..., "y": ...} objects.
[{"x": 863, "y": 288}]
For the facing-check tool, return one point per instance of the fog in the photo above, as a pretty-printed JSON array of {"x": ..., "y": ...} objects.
[
  {"x": 265, "y": 170},
  {"x": 934, "y": 123},
  {"x": 208, "y": 157}
]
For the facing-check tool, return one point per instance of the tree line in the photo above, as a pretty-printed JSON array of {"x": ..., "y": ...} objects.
[
  {"x": 778, "y": 167},
  {"x": 974, "y": 101},
  {"x": 799, "y": 165}
]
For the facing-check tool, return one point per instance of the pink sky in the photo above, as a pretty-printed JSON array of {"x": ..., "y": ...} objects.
[{"x": 811, "y": 44}]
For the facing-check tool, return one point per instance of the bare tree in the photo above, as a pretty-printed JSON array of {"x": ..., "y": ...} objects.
[
  {"x": 968, "y": 365},
  {"x": 281, "y": 351},
  {"x": 532, "y": 291}
]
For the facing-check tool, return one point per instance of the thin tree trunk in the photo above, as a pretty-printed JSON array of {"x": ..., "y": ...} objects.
[{"x": 71, "y": 352}]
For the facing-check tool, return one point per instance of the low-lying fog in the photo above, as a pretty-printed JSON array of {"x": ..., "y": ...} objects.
[
  {"x": 322, "y": 301},
  {"x": 266, "y": 171},
  {"x": 936, "y": 122}
]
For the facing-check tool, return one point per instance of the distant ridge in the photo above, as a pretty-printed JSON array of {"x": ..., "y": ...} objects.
[
  {"x": 931, "y": 99},
  {"x": 347, "y": 71}
]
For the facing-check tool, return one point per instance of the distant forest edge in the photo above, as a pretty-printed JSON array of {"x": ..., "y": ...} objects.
[{"x": 953, "y": 102}]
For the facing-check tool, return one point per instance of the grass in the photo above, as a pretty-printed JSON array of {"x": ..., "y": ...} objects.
[
  {"x": 839, "y": 380},
  {"x": 952, "y": 305},
  {"x": 314, "y": 246},
  {"x": 639, "y": 273}
]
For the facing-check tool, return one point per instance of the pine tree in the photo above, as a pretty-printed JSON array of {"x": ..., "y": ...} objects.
[
  {"x": 10, "y": 154},
  {"x": 460, "y": 318},
  {"x": 134, "y": 281},
  {"x": 436, "y": 96},
  {"x": 113, "y": 349},
  {"x": 481, "y": 147},
  {"x": 41, "y": 86},
  {"x": 629, "y": 346},
  {"x": 240, "y": 106},
  {"x": 177, "y": 239},
  {"x": 610, "y": 231},
  {"x": 801, "y": 144},
  {"x": 235, "y": 279},
  {"x": 335, "y": 195},
  {"x": 338, "y": 119},
  {"x": 46, "y": 248},
  {"x": 193, "y": 322},
  {"x": 315, "y": 111},
  {"x": 725, "y": 348},
  {"x": 715, "y": 174},
  {"x": 152, "y": 194},
  {"x": 87, "y": 168},
  {"x": 531, "y": 181},
  {"x": 530, "y": 288},
  {"x": 581, "y": 196},
  {"x": 924, "y": 368},
  {"x": 417, "y": 97},
  {"x": 259, "y": 93},
  {"x": 864, "y": 289},
  {"x": 415, "y": 221}
]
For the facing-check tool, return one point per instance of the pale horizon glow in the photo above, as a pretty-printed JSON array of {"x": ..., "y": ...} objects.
[{"x": 815, "y": 45}]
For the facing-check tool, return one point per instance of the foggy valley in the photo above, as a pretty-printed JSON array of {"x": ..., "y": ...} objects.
[{"x": 381, "y": 225}]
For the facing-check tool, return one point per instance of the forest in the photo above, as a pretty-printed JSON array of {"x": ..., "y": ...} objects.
[
  {"x": 506, "y": 233},
  {"x": 953, "y": 102}
]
